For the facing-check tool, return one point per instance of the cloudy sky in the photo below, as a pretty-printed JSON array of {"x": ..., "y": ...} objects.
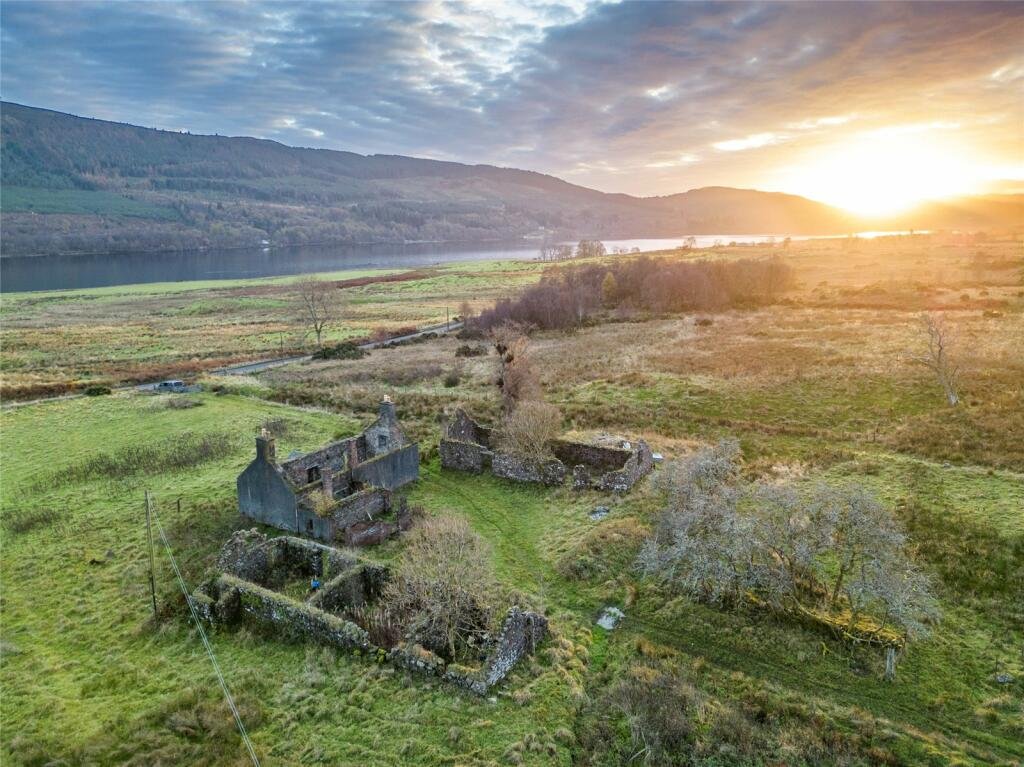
[{"x": 646, "y": 98}]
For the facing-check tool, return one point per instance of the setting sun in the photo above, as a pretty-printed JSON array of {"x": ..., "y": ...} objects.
[{"x": 887, "y": 171}]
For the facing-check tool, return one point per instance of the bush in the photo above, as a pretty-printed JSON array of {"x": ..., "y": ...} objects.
[
  {"x": 452, "y": 379},
  {"x": 184, "y": 452},
  {"x": 566, "y": 297},
  {"x": 467, "y": 350},
  {"x": 836, "y": 556},
  {"x": 443, "y": 589},
  {"x": 529, "y": 428},
  {"x": 96, "y": 391},
  {"x": 25, "y": 520},
  {"x": 346, "y": 350}
]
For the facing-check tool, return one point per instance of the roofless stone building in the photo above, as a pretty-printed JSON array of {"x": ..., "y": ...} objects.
[{"x": 322, "y": 493}]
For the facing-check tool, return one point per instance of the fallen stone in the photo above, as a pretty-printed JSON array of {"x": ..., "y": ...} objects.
[
  {"x": 610, "y": 618},
  {"x": 1004, "y": 678},
  {"x": 599, "y": 513},
  {"x": 657, "y": 457}
]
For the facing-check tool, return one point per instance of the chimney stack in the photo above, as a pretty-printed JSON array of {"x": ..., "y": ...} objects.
[
  {"x": 265, "y": 447},
  {"x": 387, "y": 409}
]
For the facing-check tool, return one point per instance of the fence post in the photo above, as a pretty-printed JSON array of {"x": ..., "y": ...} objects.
[
  {"x": 152, "y": 565},
  {"x": 890, "y": 663}
]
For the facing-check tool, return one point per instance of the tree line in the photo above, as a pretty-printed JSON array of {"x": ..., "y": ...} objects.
[{"x": 567, "y": 296}]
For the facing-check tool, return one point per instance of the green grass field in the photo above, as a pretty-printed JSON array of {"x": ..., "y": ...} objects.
[
  {"x": 89, "y": 677},
  {"x": 813, "y": 389}
]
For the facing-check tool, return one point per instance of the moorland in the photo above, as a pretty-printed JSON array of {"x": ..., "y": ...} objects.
[{"x": 816, "y": 382}]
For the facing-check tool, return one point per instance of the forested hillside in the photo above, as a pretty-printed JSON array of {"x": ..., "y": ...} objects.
[{"x": 79, "y": 185}]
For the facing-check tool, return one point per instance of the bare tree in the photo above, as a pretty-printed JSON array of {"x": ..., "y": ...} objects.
[
  {"x": 836, "y": 555},
  {"x": 518, "y": 380},
  {"x": 317, "y": 306},
  {"x": 936, "y": 356},
  {"x": 443, "y": 587},
  {"x": 529, "y": 429}
]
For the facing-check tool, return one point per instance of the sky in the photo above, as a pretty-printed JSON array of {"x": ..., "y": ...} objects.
[{"x": 867, "y": 106}]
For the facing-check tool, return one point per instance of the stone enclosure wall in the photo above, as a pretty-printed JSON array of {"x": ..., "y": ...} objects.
[
  {"x": 252, "y": 563},
  {"x": 595, "y": 467}
]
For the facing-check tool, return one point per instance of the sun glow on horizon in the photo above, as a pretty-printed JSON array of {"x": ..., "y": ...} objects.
[{"x": 888, "y": 171}]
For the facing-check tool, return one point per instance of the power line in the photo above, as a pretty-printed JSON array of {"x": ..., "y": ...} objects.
[{"x": 206, "y": 641}]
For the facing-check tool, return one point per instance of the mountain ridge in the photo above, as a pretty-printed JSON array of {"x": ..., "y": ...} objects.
[{"x": 77, "y": 184}]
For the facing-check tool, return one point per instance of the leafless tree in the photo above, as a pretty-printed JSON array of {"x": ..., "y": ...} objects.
[
  {"x": 836, "y": 553},
  {"x": 702, "y": 542},
  {"x": 317, "y": 305},
  {"x": 936, "y": 356},
  {"x": 517, "y": 378},
  {"x": 529, "y": 429},
  {"x": 443, "y": 586}
]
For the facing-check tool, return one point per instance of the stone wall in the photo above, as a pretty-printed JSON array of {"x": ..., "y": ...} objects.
[
  {"x": 464, "y": 456},
  {"x": 251, "y": 556},
  {"x": 363, "y": 506},
  {"x": 354, "y": 587},
  {"x": 594, "y": 457},
  {"x": 385, "y": 434},
  {"x": 265, "y": 496},
  {"x": 518, "y": 469},
  {"x": 391, "y": 470},
  {"x": 466, "y": 446},
  {"x": 520, "y": 635},
  {"x": 332, "y": 456},
  {"x": 639, "y": 465},
  {"x": 293, "y": 619},
  {"x": 462, "y": 428},
  {"x": 229, "y": 599}
]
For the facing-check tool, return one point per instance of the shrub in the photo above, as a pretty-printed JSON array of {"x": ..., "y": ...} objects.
[
  {"x": 443, "y": 588},
  {"x": 346, "y": 350},
  {"x": 518, "y": 381},
  {"x": 452, "y": 379},
  {"x": 836, "y": 556},
  {"x": 565, "y": 297},
  {"x": 187, "y": 450},
  {"x": 467, "y": 350},
  {"x": 96, "y": 391},
  {"x": 529, "y": 428},
  {"x": 25, "y": 520},
  {"x": 661, "y": 711}
]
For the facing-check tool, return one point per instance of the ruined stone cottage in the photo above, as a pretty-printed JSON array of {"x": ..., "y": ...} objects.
[
  {"x": 254, "y": 568},
  {"x": 469, "y": 446},
  {"x": 323, "y": 493}
]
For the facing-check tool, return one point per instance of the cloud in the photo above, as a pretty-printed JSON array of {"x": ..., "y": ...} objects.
[
  {"x": 598, "y": 90},
  {"x": 750, "y": 142}
]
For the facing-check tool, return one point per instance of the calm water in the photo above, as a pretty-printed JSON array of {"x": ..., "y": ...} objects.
[{"x": 69, "y": 272}]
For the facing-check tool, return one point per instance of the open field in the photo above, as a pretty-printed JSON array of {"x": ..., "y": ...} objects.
[
  {"x": 60, "y": 341},
  {"x": 816, "y": 386},
  {"x": 54, "y": 342}
]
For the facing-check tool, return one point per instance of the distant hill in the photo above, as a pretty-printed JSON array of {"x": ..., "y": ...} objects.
[{"x": 77, "y": 185}]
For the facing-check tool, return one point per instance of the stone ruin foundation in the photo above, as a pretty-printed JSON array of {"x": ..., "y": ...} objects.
[
  {"x": 469, "y": 446},
  {"x": 253, "y": 566}
]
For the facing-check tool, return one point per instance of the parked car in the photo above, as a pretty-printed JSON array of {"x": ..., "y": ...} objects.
[{"x": 172, "y": 386}]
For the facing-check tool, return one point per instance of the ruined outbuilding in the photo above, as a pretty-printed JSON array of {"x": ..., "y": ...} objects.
[
  {"x": 253, "y": 568},
  {"x": 324, "y": 493},
  {"x": 469, "y": 446}
]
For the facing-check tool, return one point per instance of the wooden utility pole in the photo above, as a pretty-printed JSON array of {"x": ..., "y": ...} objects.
[{"x": 152, "y": 564}]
